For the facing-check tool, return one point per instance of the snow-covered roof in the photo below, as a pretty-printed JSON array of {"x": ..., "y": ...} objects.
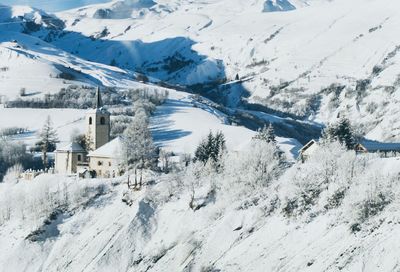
[
  {"x": 374, "y": 146},
  {"x": 307, "y": 145},
  {"x": 71, "y": 147},
  {"x": 112, "y": 149}
]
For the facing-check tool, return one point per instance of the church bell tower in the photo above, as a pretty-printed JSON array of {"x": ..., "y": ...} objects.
[{"x": 98, "y": 125}]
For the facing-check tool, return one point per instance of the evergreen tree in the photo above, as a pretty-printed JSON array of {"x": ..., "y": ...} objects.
[
  {"x": 342, "y": 131},
  {"x": 210, "y": 148},
  {"x": 266, "y": 134},
  {"x": 48, "y": 140}
]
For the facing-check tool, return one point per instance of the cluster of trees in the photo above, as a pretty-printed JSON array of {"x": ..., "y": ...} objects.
[
  {"x": 343, "y": 132},
  {"x": 36, "y": 203},
  {"x": 266, "y": 134},
  {"x": 15, "y": 155},
  {"x": 211, "y": 148},
  {"x": 238, "y": 173},
  {"x": 83, "y": 97},
  {"x": 74, "y": 96},
  {"x": 12, "y": 131}
]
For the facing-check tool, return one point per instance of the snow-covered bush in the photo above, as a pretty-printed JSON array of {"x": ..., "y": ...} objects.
[
  {"x": 12, "y": 154},
  {"x": 320, "y": 182},
  {"x": 119, "y": 124},
  {"x": 13, "y": 173},
  {"x": 34, "y": 201},
  {"x": 253, "y": 168}
]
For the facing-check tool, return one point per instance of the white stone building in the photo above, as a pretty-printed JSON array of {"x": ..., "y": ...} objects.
[
  {"x": 106, "y": 161},
  {"x": 68, "y": 157}
]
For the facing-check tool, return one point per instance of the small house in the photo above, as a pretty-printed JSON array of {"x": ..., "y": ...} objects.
[
  {"x": 68, "y": 157},
  {"x": 307, "y": 150},
  {"x": 369, "y": 146}
]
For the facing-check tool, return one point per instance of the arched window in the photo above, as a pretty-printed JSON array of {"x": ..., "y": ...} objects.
[
  {"x": 90, "y": 120},
  {"x": 102, "y": 121}
]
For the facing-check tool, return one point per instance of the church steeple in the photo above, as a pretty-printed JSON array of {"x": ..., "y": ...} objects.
[
  {"x": 99, "y": 102},
  {"x": 98, "y": 124}
]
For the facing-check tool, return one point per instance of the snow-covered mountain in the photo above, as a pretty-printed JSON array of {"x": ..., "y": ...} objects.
[
  {"x": 298, "y": 64},
  {"x": 317, "y": 61}
]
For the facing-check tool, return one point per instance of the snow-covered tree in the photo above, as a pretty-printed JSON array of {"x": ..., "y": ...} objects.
[
  {"x": 11, "y": 154},
  {"x": 210, "y": 148},
  {"x": 341, "y": 131},
  {"x": 255, "y": 167},
  {"x": 48, "y": 140},
  {"x": 138, "y": 143},
  {"x": 266, "y": 134}
]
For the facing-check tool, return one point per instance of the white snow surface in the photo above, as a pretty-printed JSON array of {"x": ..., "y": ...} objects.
[
  {"x": 308, "y": 45},
  {"x": 112, "y": 149}
]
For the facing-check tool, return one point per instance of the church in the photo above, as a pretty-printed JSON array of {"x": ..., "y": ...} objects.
[{"x": 103, "y": 158}]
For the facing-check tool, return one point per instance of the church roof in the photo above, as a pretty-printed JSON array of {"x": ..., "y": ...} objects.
[
  {"x": 71, "y": 147},
  {"x": 99, "y": 104},
  {"x": 112, "y": 149}
]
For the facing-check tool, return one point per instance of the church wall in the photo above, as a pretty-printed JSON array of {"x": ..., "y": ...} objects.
[{"x": 66, "y": 162}]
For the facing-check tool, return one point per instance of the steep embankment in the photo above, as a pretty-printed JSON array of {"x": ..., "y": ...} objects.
[{"x": 347, "y": 223}]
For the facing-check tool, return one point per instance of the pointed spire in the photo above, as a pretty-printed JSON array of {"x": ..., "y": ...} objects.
[{"x": 99, "y": 103}]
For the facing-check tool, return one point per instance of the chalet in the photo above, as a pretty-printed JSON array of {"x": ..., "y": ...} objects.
[
  {"x": 102, "y": 157},
  {"x": 369, "y": 146},
  {"x": 307, "y": 150}
]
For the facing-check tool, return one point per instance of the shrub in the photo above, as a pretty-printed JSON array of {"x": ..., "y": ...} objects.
[
  {"x": 336, "y": 199},
  {"x": 373, "y": 205}
]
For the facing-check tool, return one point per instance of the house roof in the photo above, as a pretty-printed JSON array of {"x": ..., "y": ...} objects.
[
  {"x": 112, "y": 149},
  {"x": 71, "y": 147},
  {"x": 307, "y": 145},
  {"x": 374, "y": 146}
]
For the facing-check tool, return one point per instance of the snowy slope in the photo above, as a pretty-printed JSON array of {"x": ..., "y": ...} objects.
[
  {"x": 159, "y": 232},
  {"x": 66, "y": 122},
  {"x": 31, "y": 63},
  {"x": 181, "y": 123}
]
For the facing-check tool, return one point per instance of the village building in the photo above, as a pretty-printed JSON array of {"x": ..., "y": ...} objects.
[
  {"x": 104, "y": 158},
  {"x": 384, "y": 149},
  {"x": 308, "y": 149},
  {"x": 68, "y": 157},
  {"x": 106, "y": 161},
  {"x": 364, "y": 147},
  {"x": 98, "y": 125}
]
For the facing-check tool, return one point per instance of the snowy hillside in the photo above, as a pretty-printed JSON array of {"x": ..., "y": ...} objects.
[
  {"x": 229, "y": 66},
  {"x": 348, "y": 223}
]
